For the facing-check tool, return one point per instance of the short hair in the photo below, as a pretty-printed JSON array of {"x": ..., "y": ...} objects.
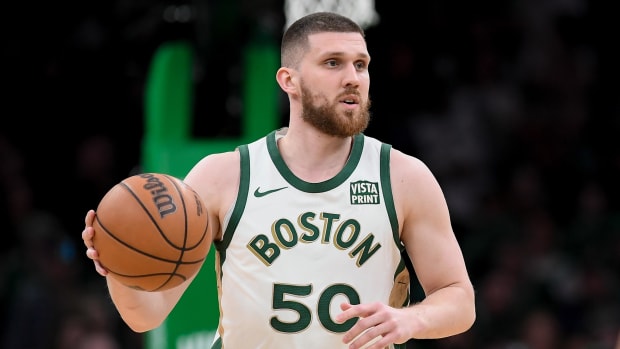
[{"x": 295, "y": 39}]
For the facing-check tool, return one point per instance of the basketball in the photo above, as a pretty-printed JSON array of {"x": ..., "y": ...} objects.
[{"x": 151, "y": 232}]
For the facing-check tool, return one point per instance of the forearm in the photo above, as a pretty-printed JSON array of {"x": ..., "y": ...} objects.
[
  {"x": 445, "y": 312},
  {"x": 142, "y": 311}
]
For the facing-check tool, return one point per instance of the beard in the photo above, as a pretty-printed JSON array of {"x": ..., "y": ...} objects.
[{"x": 325, "y": 117}]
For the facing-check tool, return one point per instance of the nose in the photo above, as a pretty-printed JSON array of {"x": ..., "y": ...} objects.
[{"x": 351, "y": 76}]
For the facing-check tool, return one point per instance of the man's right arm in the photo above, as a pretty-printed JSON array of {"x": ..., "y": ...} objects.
[
  {"x": 216, "y": 179},
  {"x": 141, "y": 310}
]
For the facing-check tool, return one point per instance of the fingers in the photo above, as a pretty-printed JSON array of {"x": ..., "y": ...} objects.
[
  {"x": 370, "y": 340},
  {"x": 344, "y": 306},
  {"x": 87, "y": 236},
  {"x": 350, "y": 311},
  {"x": 94, "y": 255},
  {"x": 376, "y": 328},
  {"x": 91, "y": 252},
  {"x": 100, "y": 269},
  {"x": 88, "y": 232},
  {"x": 90, "y": 217},
  {"x": 354, "y": 311}
]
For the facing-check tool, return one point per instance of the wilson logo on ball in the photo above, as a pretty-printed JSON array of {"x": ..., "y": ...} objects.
[
  {"x": 199, "y": 208},
  {"x": 162, "y": 200},
  {"x": 151, "y": 232}
]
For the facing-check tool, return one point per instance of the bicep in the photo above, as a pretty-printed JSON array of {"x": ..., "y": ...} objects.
[{"x": 426, "y": 228}]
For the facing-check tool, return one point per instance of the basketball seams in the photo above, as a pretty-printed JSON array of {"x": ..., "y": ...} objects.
[
  {"x": 175, "y": 184},
  {"x": 140, "y": 208},
  {"x": 153, "y": 220},
  {"x": 170, "y": 275},
  {"x": 179, "y": 259},
  {"x": 185, "y": 224},
  {"x": 181, "y": 187},
  {"x": 150, "y": 255}
]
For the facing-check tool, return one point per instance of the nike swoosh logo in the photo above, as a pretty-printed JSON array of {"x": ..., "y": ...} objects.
[{"x": 259, "y": 193}]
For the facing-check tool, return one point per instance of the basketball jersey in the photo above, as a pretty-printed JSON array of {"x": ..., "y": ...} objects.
[{"x": 292, "y": 251}]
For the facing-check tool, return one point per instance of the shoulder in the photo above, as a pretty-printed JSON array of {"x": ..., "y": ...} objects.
[
  {"x": 214, "y": 166},
  {"x": 415, "y": 187},
  {"x": 406, "y": 172},
  {"x": 216, "y": 179},
  {"x": 214, "y": 170},
  {"x": 407, "y": 168}
]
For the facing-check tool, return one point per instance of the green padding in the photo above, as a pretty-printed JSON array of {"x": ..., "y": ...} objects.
[
  {"x": 261, "y": 89},
  {"x": 168, "y": 95}
]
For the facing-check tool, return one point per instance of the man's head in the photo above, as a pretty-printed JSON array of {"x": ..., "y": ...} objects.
[
  {"x": 325, "y": 73},
  {"x": 295, "y": 38}
]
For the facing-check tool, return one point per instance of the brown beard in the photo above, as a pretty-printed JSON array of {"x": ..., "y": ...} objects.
[{"x": 326, "y": 119}]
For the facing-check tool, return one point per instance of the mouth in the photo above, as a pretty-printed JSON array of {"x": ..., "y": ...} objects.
[{"x": 350, "y": 100}]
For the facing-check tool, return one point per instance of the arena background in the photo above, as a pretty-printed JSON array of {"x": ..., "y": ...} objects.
[{"x": 514, "y": 105}]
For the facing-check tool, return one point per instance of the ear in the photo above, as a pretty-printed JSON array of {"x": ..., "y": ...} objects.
[{"x": 285, "y": 78}]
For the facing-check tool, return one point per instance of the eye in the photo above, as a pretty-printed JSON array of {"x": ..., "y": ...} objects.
[
  {"x": 360, "y": 65},
  {"x": 331, "y": 63}
]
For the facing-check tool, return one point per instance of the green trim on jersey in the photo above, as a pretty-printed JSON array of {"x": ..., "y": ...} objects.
[
  {"x": 289, "y": 176},
  {"x": 235, "y": 217},
  {"x": 388, "y": 198}
]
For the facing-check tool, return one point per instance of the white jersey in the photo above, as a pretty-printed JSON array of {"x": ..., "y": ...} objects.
[{"x": 292, "y": 251}]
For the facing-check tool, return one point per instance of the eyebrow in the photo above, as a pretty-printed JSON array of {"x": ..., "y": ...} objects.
[{"x": 341, "y": 53}]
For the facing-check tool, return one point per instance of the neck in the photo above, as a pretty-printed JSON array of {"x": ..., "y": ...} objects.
[{"x": 314, "y": 156}]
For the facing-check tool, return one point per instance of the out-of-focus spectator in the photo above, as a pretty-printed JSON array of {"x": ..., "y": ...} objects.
[
  {"x": 44, "y": 282},
  {"x": 540, "y": 330},
  {"x": 89, "y": 324},
  {"x": 98, "y": 340}
]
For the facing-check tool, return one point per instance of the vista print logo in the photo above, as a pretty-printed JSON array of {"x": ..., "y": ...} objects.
[{"x": 364, "y": 193}]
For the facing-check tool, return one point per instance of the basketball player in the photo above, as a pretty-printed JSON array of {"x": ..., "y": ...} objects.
[{"x": 310, "y": 221}]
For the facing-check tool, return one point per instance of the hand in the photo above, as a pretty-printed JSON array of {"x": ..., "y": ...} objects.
[
  {"x": 87, "y": 236},
  {"x": 378, "y": 324}
]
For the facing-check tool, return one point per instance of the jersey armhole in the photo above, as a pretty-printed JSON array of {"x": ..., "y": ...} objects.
[
  {"x": 242, "y": 195},
  {"x": 388, "y": 198}
]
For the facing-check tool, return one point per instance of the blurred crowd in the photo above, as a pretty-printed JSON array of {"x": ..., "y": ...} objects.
[
  {"x": 514, "y": 105},
  {"x": 519, "y": 123}
]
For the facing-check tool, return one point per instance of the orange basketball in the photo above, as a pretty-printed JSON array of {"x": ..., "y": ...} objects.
[{"x": 151, "y": 232}]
